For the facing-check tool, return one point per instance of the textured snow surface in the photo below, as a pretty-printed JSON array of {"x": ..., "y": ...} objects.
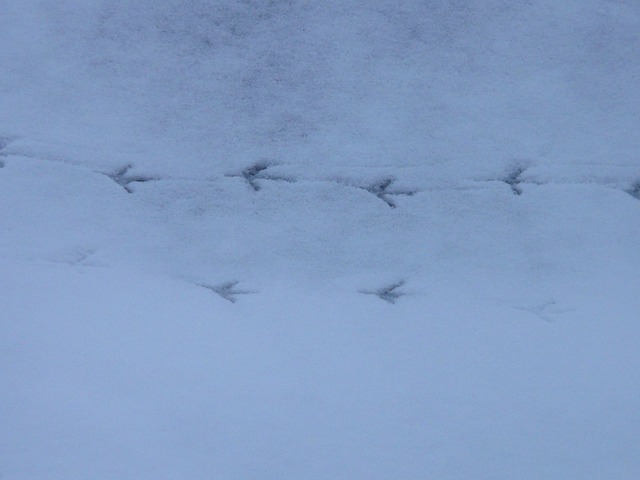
[{"x": 318, "y": 240}]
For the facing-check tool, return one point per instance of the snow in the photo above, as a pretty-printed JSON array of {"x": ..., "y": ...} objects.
[{"x": 318, "y": 240}]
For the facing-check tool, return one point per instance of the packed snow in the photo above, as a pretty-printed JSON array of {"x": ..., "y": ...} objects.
[{"x": 284, "y": 239}]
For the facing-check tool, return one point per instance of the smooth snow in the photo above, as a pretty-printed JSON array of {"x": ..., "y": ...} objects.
[{"x": 317, "y": 240}]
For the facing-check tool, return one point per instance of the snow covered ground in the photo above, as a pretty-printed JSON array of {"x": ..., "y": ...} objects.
[{"x": 319, "y": 240}]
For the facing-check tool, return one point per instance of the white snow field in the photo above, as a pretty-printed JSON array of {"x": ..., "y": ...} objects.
[{"x": 291, "y": 239}]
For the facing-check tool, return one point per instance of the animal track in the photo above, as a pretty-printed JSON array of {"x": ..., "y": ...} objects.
[
  {"x": 544, "y": 311},
  {"x": 634, "y": 191},
  {"x": 4, "y": 141},
  {"x": 389, "y": 293},
  {"x": 514, "y": 180},
  {"x": 256, "y": 172},
  {"x": 121, "y": 178},
  {"x": 227, "y": 290},
  {"x": 74, "y": 258},
  {"x": 381, "y": 190}
]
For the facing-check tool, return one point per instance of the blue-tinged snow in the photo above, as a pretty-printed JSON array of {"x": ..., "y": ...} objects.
[
  {"x": 115, "y": 374},
  {"x": 317, "y": 240}
]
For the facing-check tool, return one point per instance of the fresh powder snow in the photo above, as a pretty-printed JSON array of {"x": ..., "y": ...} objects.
[{"x": 285, "y": 239}]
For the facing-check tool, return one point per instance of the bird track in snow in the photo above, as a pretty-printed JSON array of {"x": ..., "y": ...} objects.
[
  {"x": 227, "y": 290},
  {"x": 545, "y": 311},
  {"x": 634, "y": 191},
  {"x": 381, "y": 190},
  {"x": 256, "y": 172},
  {"x": 122, "y": 178},
  {"x": 389, "y": 294}
]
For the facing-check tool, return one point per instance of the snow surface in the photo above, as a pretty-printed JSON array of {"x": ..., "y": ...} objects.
[{"x": 318, "y": 240}]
